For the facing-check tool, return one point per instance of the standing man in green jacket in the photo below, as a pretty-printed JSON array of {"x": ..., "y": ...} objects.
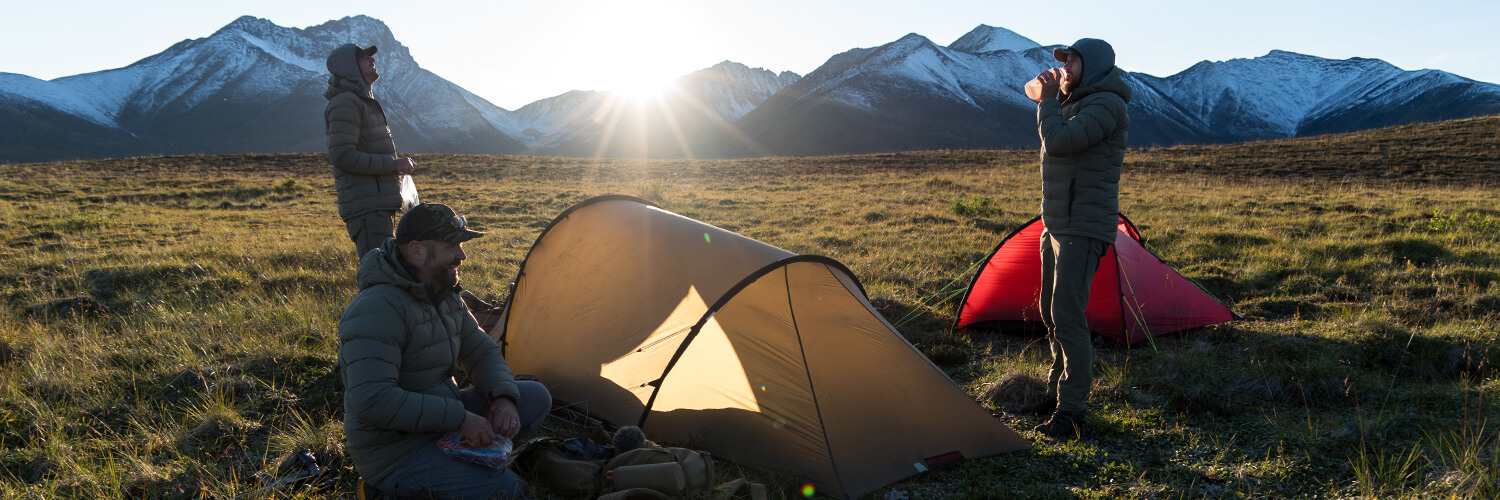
[
  {"x": 1082, "y": 121},
  {"x": 365, "y": 165},
  {"x": 402, "y": 340}
]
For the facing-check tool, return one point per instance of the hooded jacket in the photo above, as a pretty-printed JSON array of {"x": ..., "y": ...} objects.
[
  {"x": 359, "y": 140},
  {"x": 400, "y": 346},
  {"x": 1083, "y": 148}
]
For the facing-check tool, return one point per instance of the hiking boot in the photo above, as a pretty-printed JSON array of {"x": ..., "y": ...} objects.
[
  {"x": 1063, "y": 425},
  {"x": 487, "y": 314},
  {"x": 474, "y": 303}
]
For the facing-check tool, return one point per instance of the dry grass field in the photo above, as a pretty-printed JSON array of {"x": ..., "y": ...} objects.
[{"x": 168, "y": 323}]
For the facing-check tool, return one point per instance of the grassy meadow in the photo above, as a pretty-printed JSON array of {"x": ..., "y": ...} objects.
[{"x": 168, "y": 323}]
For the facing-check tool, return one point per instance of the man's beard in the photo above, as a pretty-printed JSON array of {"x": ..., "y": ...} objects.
[{"x": 442, "y": 277}]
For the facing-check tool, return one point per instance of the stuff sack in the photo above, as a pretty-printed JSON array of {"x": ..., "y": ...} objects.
[{"x": 675, "y": 472}]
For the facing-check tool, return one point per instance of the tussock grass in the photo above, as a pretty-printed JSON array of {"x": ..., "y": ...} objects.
[{"x": 166, "y": 324}]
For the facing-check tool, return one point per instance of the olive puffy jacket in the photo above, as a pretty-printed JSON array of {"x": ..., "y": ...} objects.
[
  {"x": 359, "y": 140},
  {"x": 400, "y": 346},
  {"x": 1083, "y": 148}
]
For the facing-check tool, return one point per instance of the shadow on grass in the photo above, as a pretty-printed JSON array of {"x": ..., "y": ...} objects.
[{"x": 1154, "y": 404}]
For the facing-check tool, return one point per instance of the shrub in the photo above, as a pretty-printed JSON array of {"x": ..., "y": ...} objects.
[
  {"x": 1467, "y": 225},
  {"x": 976, "y": 206},
  {"x": 287, "y": 186},
  {"x": 652, "y": 190},
  {"x": 87, "y": 222}
]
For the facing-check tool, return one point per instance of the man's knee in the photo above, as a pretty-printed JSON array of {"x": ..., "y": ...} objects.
[
  {"x": 535, "y": 404},
  {"x": 534, "y": 394}
]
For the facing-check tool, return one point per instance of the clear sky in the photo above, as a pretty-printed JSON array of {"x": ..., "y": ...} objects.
[{"x": 515, "y": 52}]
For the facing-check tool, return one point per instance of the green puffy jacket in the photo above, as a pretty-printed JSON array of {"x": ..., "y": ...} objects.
[
  {"x": 1083, "y": 148},
  {"x": 399, "y": 348},
  {"x": 359, "y": 140}
]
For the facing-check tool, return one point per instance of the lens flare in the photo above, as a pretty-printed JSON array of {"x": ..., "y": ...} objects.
[
  {"x": 807, "y": 490},
  {"x": 706, "y": 239},
  {"x": 762, "y": 388}
]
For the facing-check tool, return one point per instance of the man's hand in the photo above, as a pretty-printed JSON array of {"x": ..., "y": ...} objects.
[
  {"x": 476, "y": 431},
  {"x": 1051, "y": 82},
  {"x": 405, "y": 165},
  {"x": 504, "y": 417}
]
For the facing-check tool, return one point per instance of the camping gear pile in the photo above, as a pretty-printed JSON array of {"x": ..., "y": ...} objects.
[{"x": 627, "y": 468}]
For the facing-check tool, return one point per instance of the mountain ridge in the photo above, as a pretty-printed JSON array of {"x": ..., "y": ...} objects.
[{"x": 253, "y": 86}]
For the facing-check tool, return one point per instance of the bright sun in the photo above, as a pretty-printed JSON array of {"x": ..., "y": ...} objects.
[
  {"x": 645, "y": 48},
  {"x": 644, "y": 87}
]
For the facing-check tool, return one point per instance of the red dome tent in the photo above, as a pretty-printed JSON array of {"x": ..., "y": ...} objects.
[{"x": 1134, "y": 295}]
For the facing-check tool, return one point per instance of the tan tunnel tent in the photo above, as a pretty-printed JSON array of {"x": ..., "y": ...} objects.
[{"x": 707, "y": 338}]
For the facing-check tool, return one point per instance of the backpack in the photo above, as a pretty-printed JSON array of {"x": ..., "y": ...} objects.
[
  {"x": 565, "y": 471},
  {"x": 579, "y": 468},
  {"x": 676, "y": 472}
]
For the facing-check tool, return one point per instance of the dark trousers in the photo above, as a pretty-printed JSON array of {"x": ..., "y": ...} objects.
[
  {"x": 430, "y": 473},
  {"x": 368, "y": 231},
  {"x": 1068, "y": 266}
]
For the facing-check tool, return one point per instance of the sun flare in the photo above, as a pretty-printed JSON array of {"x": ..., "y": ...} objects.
[{"x": 644, "y": 87}]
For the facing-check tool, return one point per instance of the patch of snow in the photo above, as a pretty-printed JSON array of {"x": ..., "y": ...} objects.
[
  {"x": 498, "y": 117},
  {"x": 1281, "y": 89},
  {"x": 852, "y": 98},
  {"x": 734, "y": 89},
  {"x": 991, "y": 39},
  {"x": 283, "y": 54},
  {"x": 55, "y": 95}
]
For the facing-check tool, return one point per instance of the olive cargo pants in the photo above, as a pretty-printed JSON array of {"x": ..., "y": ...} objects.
[
  {"x": 1068, "y": 266},
  {"x": 369, "y": 231}
]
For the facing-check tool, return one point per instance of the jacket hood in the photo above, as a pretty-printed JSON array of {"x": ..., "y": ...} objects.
[
  {"x": 383, "y": 266},
  {"x": 344, "y": 73},
  {"x": 1098, "y": 58}
]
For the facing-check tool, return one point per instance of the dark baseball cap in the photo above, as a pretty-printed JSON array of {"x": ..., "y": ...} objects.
[
  {"x": 433, "y": 221},
  {"x": 1061, "y": 53},
  {"x": 365, "y": 52}
]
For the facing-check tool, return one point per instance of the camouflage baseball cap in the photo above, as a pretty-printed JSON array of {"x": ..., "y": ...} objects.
[{"x": 434, "y": 221}]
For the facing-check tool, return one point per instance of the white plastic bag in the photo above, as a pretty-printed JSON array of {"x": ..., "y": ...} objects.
[{"x": 408, "y": 193}]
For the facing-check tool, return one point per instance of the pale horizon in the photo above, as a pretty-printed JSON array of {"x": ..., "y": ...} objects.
[{"x": 515, "y": 53}]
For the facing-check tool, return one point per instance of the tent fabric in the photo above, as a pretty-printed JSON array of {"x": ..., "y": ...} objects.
[
  {"x": 708, "y": 338},
  {"x": 1134, "y": 295}
]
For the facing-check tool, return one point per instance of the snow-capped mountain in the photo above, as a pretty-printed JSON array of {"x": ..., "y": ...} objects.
[
  {"x": 987, "y": 38},
  {"x": 253, "y": 86},
  {"x": 1285, "y": 94},
  {"x": 908, "y": 94},
  {"x": 732, "y": 89},
  {"x": 914, "y": 94}
]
